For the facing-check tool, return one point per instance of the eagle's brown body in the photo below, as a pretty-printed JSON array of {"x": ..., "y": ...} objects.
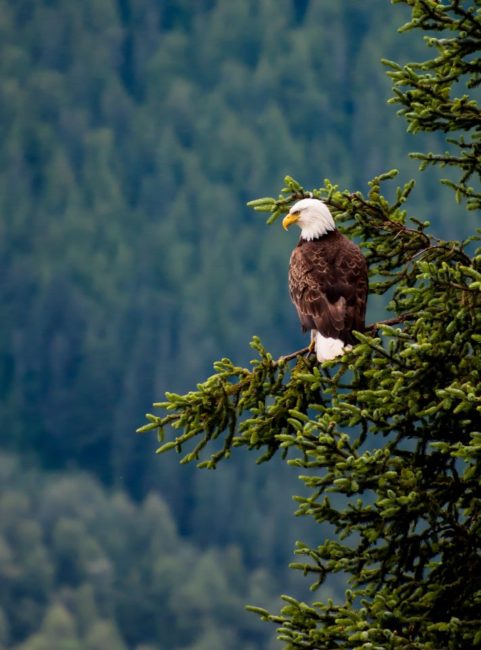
[{"x": 328, "y": 285}]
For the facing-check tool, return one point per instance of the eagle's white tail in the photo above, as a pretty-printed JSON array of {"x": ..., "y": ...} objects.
[{"x": 329, "y": 348}]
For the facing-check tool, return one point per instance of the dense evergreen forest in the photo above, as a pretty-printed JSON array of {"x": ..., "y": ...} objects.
[{"x": 133, "y": 133}]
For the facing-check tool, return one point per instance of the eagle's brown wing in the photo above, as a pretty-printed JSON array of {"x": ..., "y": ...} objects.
[{"x": 328, "y": 286}]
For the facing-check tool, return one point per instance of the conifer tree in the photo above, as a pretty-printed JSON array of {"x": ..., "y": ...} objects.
[{"x": 388, "y": 438}]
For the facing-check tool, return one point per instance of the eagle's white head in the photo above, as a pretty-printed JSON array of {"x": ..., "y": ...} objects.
[{"x": 312, "y": 216}]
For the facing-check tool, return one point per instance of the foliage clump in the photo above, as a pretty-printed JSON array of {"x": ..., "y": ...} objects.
[{"x": 388, "y": 438}]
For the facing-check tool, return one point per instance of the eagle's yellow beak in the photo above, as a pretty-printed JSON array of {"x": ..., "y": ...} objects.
[{"x": 289, "y": 220}]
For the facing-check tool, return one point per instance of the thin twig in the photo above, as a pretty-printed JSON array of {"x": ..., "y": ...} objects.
[{"x": 292, "y": 355}]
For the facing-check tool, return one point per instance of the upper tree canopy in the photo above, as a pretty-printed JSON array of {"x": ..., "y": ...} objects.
[{"x": 389, "y": 438}]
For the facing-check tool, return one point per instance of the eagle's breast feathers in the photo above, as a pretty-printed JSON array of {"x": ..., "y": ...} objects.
[{"x": 328, "y": 286}]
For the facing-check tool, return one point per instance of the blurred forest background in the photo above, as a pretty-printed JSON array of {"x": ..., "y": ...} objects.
[{"x": 132, "y": 134}]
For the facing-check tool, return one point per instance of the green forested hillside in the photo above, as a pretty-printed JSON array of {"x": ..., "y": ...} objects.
[{"x": 133, "y": 132}]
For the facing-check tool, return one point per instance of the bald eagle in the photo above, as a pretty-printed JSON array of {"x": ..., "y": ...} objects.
[{"x": 327, "y": 280}]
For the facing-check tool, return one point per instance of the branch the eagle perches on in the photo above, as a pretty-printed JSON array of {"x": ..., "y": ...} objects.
[
  {"x": 369, "y": 328},
  {"x": 215, "y": 409}
]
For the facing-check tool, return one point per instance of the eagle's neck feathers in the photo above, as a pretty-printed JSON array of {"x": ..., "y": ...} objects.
[{"x": 317, "y": 229}]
